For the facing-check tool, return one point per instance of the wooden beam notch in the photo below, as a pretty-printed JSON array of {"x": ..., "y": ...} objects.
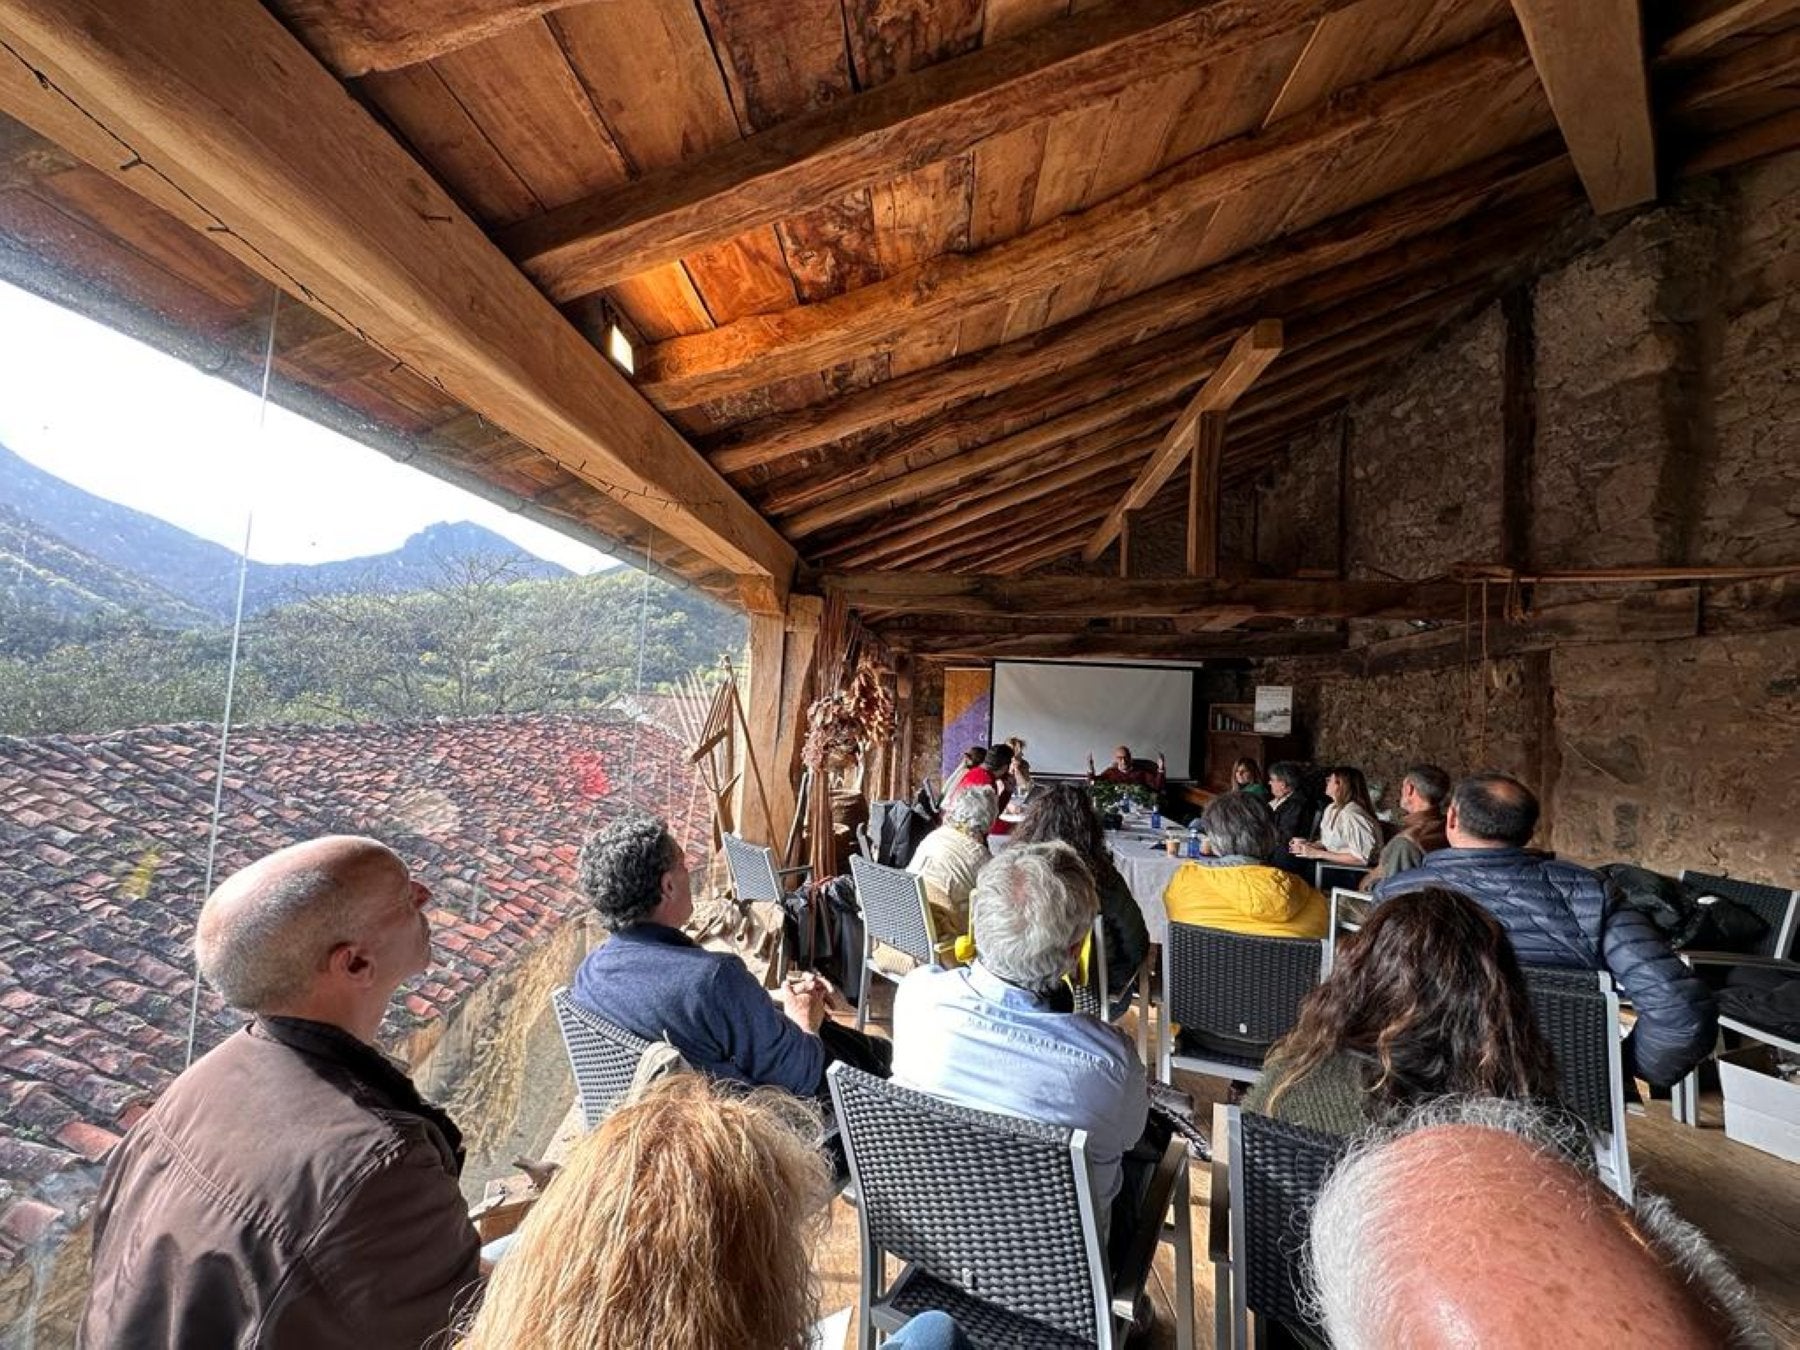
[{"x": 1249, "y": 356}]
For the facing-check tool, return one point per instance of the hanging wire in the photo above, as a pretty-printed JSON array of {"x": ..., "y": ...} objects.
[
  {"x": 637, "y": 723},
  {"x": 231, "y": 668}
]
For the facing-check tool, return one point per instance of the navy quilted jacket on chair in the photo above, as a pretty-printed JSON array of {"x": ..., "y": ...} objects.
[{"x": 1558, "y": 914}]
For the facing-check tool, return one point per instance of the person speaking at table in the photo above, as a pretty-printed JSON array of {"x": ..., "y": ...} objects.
[{"x": 1125, "y": 769}]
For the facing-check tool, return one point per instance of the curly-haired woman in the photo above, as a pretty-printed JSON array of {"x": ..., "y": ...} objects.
[{"x": 1427, "y": 1001}]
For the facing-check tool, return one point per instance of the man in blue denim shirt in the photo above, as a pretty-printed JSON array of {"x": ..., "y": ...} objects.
[{"x": 1000, "y": 1035}]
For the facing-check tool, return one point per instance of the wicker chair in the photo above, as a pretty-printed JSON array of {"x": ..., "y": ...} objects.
[
  {"x": 755, "y": 878},
  {"x": 894, "y": 912},
  {"x": 994, "y": 1221},
  {"x": 1780, "y": 910},
  {"x": 1578, "y": 1014},
  {"x": 1266, "y": 1174},
  {"x": 1233, "y": 994},
  {"x": 603, "y": 1056}
]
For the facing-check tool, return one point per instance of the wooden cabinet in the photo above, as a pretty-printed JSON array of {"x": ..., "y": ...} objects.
[{"x": 1230, "y": 736}]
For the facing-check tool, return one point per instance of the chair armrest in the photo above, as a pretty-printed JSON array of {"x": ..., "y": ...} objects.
[
  {"x": 1777, "y": 963},
  {"x": 1134, "y": 1267}
]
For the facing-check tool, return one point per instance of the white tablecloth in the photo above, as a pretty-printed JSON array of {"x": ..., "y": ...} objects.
[{"x": 1146, "y": 871}]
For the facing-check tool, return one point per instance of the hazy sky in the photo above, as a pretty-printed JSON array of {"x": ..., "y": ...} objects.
[{"x": 128, "y": 423}]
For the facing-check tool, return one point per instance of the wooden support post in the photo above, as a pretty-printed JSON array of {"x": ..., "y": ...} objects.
[
  {"x": 1128, "y": 533},
  {"x": 903, "y": 712},
  {"x": 1518, "y": 411},
  {"x": 1203, "y": 496},
  {"x": 782, "y": 648}
]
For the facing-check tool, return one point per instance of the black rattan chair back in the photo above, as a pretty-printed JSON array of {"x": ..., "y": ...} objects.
[
  {"x": 603, "y": 1056},
  {"x": 1571, "y": 1012},
  {"x": 1234, "y": 989},
  {"x": 1777, "y": 907},
  {"x": 1579, "y": 1017},
  {"x": 994, "y": 1213},
  {"x": 893, "y": 908},
  {"x": 1277, "y": 1171}
]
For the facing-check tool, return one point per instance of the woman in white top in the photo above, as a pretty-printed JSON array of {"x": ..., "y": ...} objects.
[{"x": 1348, "y": 832}]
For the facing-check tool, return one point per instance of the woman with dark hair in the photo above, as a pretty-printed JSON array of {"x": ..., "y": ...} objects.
[
  {"x": 1247, "y": 776},
  {"x": 1063, "y": 813},
  {"x": 1348, "y": 831},
  {"x": 1427, "y": 1001}
]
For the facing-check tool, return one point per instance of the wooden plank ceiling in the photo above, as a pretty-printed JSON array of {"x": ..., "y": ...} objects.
[{"x": 929, "y": 284}]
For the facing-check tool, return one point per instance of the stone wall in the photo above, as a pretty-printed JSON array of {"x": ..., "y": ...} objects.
[{"x": 1667, "y": 432}]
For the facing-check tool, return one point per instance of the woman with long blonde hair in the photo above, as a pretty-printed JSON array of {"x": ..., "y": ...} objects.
[{"x": 684, "y": 1222}]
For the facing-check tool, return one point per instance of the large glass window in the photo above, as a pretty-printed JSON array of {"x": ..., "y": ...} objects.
[{"x": 407, "y": 661}]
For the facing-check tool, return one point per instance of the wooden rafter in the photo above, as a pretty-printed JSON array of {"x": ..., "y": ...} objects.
[
  {"x": 354, "y": 37},
  {"x": 1590, "y": 56},
  {"x": 1415, "y": 235},
  {"x": 930, "y": 116},
  {"x": 832, "y": 498},
  {"x": 1249, "y": 356},
  {"x": 1098, "y": 597},
  {"x": 757, "y": 350},
  {"x": 1734, "y": 20},
  {"x": 215, "y": 110}
]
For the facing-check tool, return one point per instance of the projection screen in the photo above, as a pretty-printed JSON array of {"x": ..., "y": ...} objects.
[{"x": 1065, "y": 711}]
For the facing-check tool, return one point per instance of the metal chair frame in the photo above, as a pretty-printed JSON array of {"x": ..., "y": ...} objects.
[
  {"x": 1273, "y": 973},
  {"x": 1342, "y": 901},
  {"x": 895, "y": 912},
  {"x": 1017, "y": 1257}
]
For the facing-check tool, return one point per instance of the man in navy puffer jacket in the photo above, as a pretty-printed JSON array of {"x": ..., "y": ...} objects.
[{"x": 1558, "y": 914}]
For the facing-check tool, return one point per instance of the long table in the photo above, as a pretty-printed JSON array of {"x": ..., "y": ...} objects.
[{"x": 1146, "y": 867}]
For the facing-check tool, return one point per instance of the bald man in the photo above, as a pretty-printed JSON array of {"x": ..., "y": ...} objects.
[
  {"x": 291, "y": 1189},
  {"x": 1471, "y": 1228}
]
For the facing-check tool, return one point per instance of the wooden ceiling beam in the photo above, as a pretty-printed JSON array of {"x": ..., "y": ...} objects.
[
  {"x": 1195, "y": 351},
  {"x": 214, "y": 102},
  {"x": 1111, "y": 597},
  {"x": 899, "y": 546},
  {"x": 1067, "y": 435},
  {"x": 1699, "y": 38},
  {"x": 356, "y": 37},
  {"x": 1589, "y": 55},
  {"x": 910, "y": 460},
  {"x": 1330, "y": 337},
  {"x": 1772, "y": 62},
  {"x": 928, "y": 116},
  {"x": 1249, "y": 356},
  {"x": 1111, "y": 642},
  {"x": 983, "y": 553},
  {"x": 759, "y": 349},
  {"x": 1412, "y": 238}
]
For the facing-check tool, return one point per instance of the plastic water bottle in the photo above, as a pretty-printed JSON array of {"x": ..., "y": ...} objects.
[
  {"x": 1193, "y": 841},
  {"x": 1155, "y": 818}
]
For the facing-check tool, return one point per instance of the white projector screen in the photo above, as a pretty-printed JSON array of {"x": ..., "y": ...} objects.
[{"x": 1067, "y": 711}]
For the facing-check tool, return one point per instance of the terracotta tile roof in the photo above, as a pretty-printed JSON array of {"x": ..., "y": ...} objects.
[{"x": 103, "y": 867}]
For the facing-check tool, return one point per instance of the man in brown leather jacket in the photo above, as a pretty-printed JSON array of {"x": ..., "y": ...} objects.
[{"x": 291, "y": 1188}]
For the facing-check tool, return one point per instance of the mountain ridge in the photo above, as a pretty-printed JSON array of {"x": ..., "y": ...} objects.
[{"x": 76, "y": 554}]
